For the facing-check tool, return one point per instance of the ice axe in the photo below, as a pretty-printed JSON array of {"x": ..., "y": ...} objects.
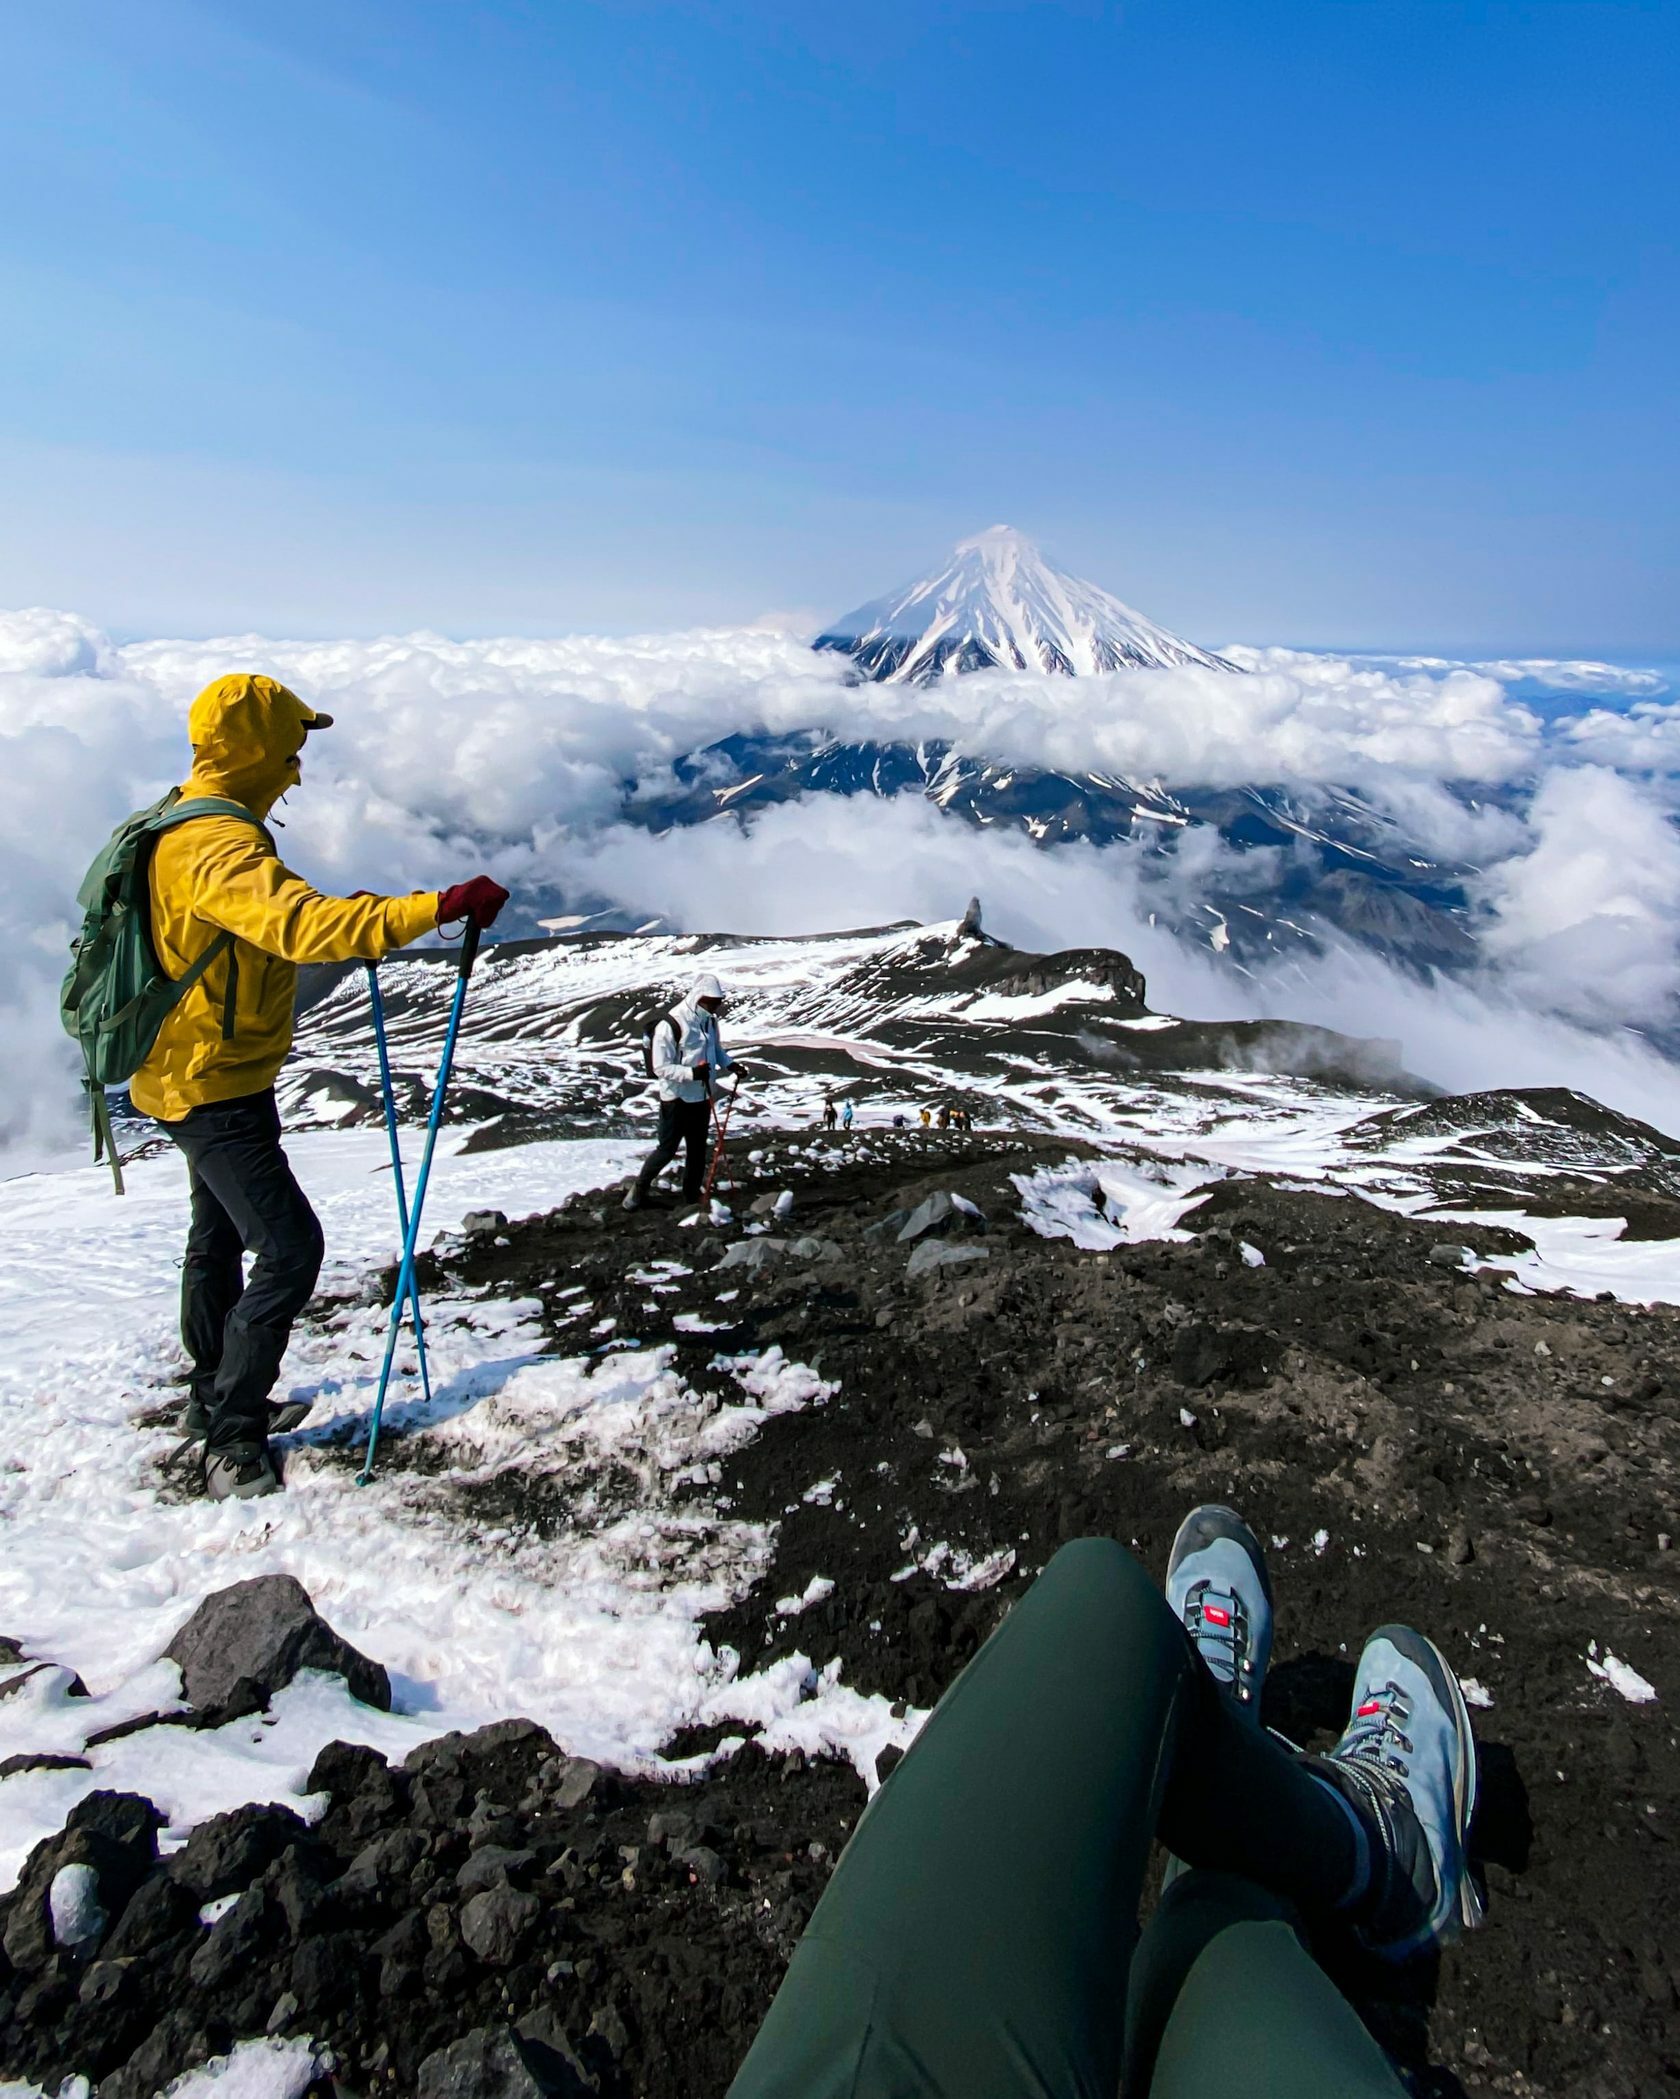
[
  {"x": 388, "y": 1093},
  {"x": 406, "y": 1287}
]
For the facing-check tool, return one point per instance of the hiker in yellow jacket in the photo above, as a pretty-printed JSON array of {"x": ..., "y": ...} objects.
[{"x": 209, "y": 1077}]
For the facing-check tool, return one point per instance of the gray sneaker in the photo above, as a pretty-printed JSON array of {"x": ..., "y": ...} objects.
[
  {"x": 1407, "y": 1763},
  {"x": 1221, "y": 1594},
  {"x": 241, "y": 1472}
]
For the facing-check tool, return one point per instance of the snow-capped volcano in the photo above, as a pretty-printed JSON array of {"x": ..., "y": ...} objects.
[{"x": 998, "y": 604}]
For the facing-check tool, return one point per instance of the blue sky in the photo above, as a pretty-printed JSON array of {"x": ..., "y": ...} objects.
[{"x": 1342, "y": 323}]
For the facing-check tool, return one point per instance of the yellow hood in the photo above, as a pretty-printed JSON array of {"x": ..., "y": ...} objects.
[{"x": 246, "y": 733}]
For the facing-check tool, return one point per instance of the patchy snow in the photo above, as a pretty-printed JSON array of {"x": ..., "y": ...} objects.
[
  {"x": 817, "y": 1590},
  {"x": 1105, "y": 1203},
  {"x": 592, "y": 1629},
  {"x": 73, "y": 1903},
  {"x": 1476, "y": 1694},
  {"x": 1031, "y": 1005},
  {"x": 254, "y": 2070},
  {"x": 1620, "y": 1676}
]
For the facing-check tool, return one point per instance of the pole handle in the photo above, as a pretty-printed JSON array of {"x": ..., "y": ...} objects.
[{"x": 469, "y": 948}]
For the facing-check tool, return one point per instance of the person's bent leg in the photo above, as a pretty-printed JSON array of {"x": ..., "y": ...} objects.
[
  {"x": 664, "y": 1151},
  {"x": 1224, "y": 1997},
  {"x": 973, "y": 1940},
  {"x": 235, "y": 1150},
  {"x": 697, "y": 1130},
  {"x": 211, "y": 1281},
  {"x": 974, "y": 1937}
]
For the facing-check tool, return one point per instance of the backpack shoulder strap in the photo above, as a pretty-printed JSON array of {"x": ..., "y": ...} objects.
[{"x": 184, "y": 811}]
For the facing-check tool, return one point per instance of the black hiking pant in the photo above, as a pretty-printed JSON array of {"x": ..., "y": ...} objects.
[
  {"x": 979, "y": 1937},
  {"x": 685, "y": 1124},
  {"x": 244, "y": 1201}
]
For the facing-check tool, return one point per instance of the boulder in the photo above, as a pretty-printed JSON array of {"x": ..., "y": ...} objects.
[
  {"x": 245, "y": 1643},
  {"x": 493, "y": 2062},
  {"x": 704, "y": 1865},
  {"x": 575, "y": 1782},
  {"x": 935, "y": 1213},
  {"x": 496, "y": 1923},
  {"x": 811, "y": 1249},
  {"x": 226, "y": 1853},
  {"x": 934, "y": 1253},
  {"x": 484, "y": 1221},
  {"x": 493, "y": 1866},
  {"x": 1446, "y": 1255},
  {"x": 752, "y": 1255},
  {"x": 941, "y": 1213}
]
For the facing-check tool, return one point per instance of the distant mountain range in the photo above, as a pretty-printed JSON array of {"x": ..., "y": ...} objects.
[{"x": 1345, "y": 868}]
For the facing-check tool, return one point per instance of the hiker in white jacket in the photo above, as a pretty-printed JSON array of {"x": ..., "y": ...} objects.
[{"x": 688, "y": 1055}]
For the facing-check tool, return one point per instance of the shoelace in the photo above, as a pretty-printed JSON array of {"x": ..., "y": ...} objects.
[
  {"x": 1217, "y": 1622},
  {"x": 1376, "y": 1735}
]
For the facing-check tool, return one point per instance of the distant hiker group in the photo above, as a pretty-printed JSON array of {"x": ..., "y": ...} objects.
[{"x": 945, "y": 1117}]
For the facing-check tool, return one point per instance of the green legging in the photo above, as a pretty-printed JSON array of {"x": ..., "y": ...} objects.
[{"x": 977, "y": 1938}]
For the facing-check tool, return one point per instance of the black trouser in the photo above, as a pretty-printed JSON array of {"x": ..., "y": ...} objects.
[
  {"x": 976, "y": 1938},
  {"x": 244, "y": 1201},
  {"x": 684, "y": 1123}
]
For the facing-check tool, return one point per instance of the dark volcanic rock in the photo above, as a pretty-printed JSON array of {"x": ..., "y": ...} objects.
[
  {"x": 246, "y": 1642},
  {"x": 112, "y": 1834},
  {"x": 496, "y": 1923},
  {"x": 225, "y": 1854},
  {"x": 495, "y": 2063}
]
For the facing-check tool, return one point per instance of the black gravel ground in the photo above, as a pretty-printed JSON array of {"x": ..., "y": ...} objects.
[{"x": 1500, "y": 1470}]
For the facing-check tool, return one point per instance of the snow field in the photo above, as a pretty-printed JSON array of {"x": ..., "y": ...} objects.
[{"x": 590, "y": 1629}]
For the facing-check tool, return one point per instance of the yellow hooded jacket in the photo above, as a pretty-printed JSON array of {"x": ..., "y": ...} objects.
[{"x": 219, "y": 873}]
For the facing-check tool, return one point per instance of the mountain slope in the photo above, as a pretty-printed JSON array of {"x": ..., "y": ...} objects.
[{"x": 998, "y": 604}]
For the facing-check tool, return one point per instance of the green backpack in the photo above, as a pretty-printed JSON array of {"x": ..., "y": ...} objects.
[{"x": 116, "y": 995}]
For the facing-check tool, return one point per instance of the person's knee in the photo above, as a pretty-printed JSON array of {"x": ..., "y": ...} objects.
[
  {"x": 1104, "y": 1582},
  {"x": 1097, "y": 1563},
  {"x": 291, "y": 1265}
]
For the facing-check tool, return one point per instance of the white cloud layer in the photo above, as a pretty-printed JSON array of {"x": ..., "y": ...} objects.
[{"x": 516, "y": 754}]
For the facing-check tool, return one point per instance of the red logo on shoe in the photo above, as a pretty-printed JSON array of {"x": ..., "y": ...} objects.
[
  {"x": 1371, "y": 1705},
  {"x": 1216, "y": 1614}
]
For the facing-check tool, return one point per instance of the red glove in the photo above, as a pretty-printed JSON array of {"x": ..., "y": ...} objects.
[{"x": 480, "y": 900}]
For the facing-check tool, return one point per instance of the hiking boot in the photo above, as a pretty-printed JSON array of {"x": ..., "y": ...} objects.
[
  {"x": 1407, "y": 1766},
  {"x": 194, "y": 1423},
  {"x": 636, "y": 1197},
  {"x": 290, "y": 1414},
  {"x": 240, "y": 1472},
  {"x": 1220, "y": 1592}
]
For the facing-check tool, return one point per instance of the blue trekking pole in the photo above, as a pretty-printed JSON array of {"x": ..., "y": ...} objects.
[
  {"x": 405, "y": 1274},
  {"x": 390, "y": 1098}
]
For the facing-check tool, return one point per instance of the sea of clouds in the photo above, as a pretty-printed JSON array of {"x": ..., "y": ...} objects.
[{"x": 519, "y": 756}]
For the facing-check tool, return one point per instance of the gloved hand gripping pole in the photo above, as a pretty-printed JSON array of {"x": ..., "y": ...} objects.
[
  {"x": 388, "y": 1093},
  {"x": 405, "y": 1274}
]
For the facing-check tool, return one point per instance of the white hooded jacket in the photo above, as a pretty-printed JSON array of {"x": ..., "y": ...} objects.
[{"x": 693, "y": 1040}]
